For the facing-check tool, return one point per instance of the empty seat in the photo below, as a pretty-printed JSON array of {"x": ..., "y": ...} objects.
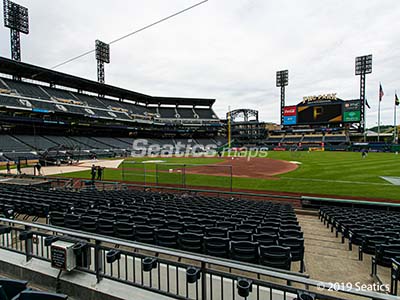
[
  {"x": 246, "y": 227},
  {"x": 266, "y": 239},
  {"x": 244, "y": 251},
  {"x": 139, "y": 220},
  {"x": 276, "y": 257},
  {"x": 290, "y": 227},
  {"x": 144, "y": 234},
  {"x": 72, "y": 221},
  {"x": 384, "y": 255},
  {"x": 296, "y": 246},
  {"x": 356, "y": 236},
  {"x": 105, "y": 227},
  {"x": 239, "y": 235},
  {"x": 172, "y": 225},
  {"x": 227, "y": 225},
  {"x": 291, "y": 233},
  {"x": 192, "y": 242},
  {"x": 216, "y": 232},
  {"x": 157, "y": 223},
  {"x": 89, "y": 224},
  {"x": 166, "y": 238},
  {"x": 195, "y": 228},
  {"x": 57, "y": 218},
  {"x": 268, "y": 229},
  {"x": 369, "y": 244},
  {"x": 12, "y": 288},
  {"x": 216, "y": 246},
  {"x": 124, "y": 230},
  {"x": 36, "y": 295}
]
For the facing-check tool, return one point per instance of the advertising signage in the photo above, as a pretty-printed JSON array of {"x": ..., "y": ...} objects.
[
  {"x": 352, "y": 111},
  {"x": 290, "y": 111}
]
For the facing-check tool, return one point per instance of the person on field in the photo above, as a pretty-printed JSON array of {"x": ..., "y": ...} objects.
[
  {"x": 19, "y": 168},
  {"x": 99, "y": 172},
  {"x": 364, "y": 153},
  {"x": 8, "y": 167},
  {"x": 39, "y": 168},
  {"x": 93, "y": 172}
]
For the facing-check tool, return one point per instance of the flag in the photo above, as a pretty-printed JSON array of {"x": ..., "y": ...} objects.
[
  {"x": 396, "y": 99},
  {"x": 367, "y": 104},
  {"x": 381, "y": 93}
]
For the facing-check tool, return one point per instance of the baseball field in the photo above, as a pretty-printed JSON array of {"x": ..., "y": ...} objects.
[{"x": 344, "y": 174}]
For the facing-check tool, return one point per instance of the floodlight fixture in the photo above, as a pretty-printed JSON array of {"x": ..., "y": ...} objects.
[
  {"x": 364, "y": 64},
  {"x": 282, "y": 78},
  {"x": 102, "y": 52},
  {"x": 363, "y": 67},
  {"x": 102, "y": 57},
  {"x": 16, "y": 17},
  {"x": 17, "y": 20}
]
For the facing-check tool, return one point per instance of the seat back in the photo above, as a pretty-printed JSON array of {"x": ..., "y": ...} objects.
[
  {"x": 124, "y": 230},
  {"x": 296, "y": 246},
  {"x": 35, "y": 295},
  {"x": 385, "y": 253},
  {"x": 189, "y": 241},
  {"x": 166, "y": 238},
  {"x": 275, "y": 257},
  {"x": 291, "y": 233},
  {"x": 244, "y": 251},
  {"x": 239, "y": 235},
  {"x": 216, "y": 232},
  {"x": 266, "y": 239},
  {"x": 11, "y": 287},
  {"x": 216, "y": 246},
  {"x": 144, "y": 234}
]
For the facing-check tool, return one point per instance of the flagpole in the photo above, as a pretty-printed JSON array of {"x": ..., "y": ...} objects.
[{"x": 379, "y": 113}]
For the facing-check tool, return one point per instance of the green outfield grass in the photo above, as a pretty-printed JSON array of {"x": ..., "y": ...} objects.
[{"x": 327, "y": 173}]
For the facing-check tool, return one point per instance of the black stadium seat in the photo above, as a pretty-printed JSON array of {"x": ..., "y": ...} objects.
[
  {"x": 167, "y": 238},
  {"x": 192, "y": 242},
  {"x": 216, "y": 246},
  {"x": 12, "y": 288},
  {"x": 276, "y": 257},
  {"x": 244, "y": 251},
  {"x": 36, "y": 295}
]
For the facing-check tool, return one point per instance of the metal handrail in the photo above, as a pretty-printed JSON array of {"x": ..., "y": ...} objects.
[
  {"x": 287, "y": 276},
  {"x": 372, "y": 203}
]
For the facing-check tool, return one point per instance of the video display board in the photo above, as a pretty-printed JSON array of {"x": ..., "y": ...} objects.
[
  {"x": 319, "y": 114},
  {"x": 322, "y": 111},
  {"x": 352, "y": 111}
]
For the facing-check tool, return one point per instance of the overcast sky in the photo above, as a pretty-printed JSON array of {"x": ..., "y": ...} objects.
[{"x": 229, "y": 50}]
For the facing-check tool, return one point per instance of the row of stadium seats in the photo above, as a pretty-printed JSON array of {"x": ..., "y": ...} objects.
[
  {"x": 178, "y": 221},
  {"x": 307, "y": 139},
  {"x": 45, "y": 98},
  {"x": 375, "y": 232},
  {"x": 11, "y": 289}
]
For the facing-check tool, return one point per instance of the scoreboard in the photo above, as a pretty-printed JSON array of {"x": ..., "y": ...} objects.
[
  {"x": 327, "y": 112},
  {"x": 319, "y": 114}
]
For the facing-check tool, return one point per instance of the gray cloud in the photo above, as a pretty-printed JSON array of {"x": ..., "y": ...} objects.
[{"x": 228, "y": 50}]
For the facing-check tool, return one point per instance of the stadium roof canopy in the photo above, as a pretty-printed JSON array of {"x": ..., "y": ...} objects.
[{"x": 28, "y": 71}]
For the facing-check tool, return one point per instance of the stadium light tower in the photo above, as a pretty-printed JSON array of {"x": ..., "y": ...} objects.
[
  {"x": 16, "y": 18},
  {"x": 282, "y": 80},
  {"x": 102, "y": 57},
  {"x": 363, "y": 67}
]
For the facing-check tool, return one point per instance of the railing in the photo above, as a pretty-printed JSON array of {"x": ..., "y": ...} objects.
[
  {"x": 173, "y": 273},
  {"x": 320, "y": 201}
]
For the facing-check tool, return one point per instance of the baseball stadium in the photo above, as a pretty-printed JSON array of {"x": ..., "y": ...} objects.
[{"x": 111, "y": 193}]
